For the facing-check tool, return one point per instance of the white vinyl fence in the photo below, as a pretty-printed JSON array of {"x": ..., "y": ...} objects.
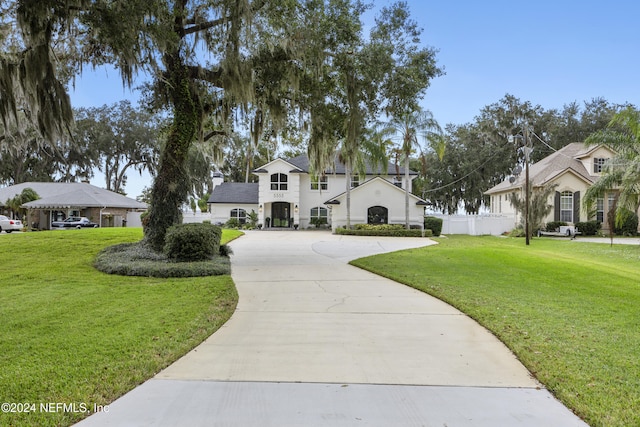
[
  {"x": 190, "y": 217},
  {"x": 133, "y": 219},
  {"x": 477, "y": 225}
]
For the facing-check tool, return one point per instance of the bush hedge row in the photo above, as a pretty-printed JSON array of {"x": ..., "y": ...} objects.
[
  {"x": 588, "y": 228},
  {"x": 554, "y": 226},
  {"x": 388, "y": 230}
]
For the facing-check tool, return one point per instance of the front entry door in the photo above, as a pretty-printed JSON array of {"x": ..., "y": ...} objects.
[{"x": 280, "y": 214}]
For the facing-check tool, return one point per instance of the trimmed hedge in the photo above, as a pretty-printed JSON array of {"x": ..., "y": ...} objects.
[
  {"x": 192, "y": 242},
  {"x": 388, "y": 230},
  {"x": 378, "y": 227},
  {"x": 589, "y": 228},
  {"x": 434, "y": 224},
  {"x": 554, "y": 226}
]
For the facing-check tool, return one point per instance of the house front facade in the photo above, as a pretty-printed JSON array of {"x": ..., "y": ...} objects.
[
  {"x": 572, "y": 169},
  {"x": 288, "y": 195}
]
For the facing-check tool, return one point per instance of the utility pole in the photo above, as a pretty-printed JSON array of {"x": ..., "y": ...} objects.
[{"x": 526, "y": 183}]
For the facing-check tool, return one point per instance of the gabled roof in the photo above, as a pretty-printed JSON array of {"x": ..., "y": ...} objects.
[
  {"x": 373, "y": 181},
  {"x": 235, "y": 192},
  {"x": 565, "y": 160},
  {"x": 64, "y": 195},
  {"x": 265, "y": 168},
  {"x": 301, "y": 164}
]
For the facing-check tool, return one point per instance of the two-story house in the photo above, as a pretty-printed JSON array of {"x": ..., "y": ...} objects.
[
  {"x": 288, "y": 195},
  {"x": 574, "y": 168}
]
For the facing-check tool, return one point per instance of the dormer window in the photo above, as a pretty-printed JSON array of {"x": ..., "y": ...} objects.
[
  {"x": 279, "y": 182},
  {"x": 598, "y": 164}
]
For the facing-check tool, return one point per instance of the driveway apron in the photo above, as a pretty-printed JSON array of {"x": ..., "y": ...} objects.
[{"x": 317, "y": 342}]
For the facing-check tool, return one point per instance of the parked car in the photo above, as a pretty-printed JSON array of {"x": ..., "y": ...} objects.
[
  {"x": 8, "y": 225},
  {"x": 74, "y": 222}
]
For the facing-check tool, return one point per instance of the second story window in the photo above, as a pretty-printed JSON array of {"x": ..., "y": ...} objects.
[
  {"x": 319, "y": 183},
  {"x": 598, "y": 163},
  {"x": 278, "y": 181},
  {"x": 355, "y": 181}
]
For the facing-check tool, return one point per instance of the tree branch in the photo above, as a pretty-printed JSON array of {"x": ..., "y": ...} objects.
[
  {"x": 203, "y": 25},
  {"x": 255, "y": 6},
  {"x": 210, "y": 76},
  {"x": 213, "y": 133}
]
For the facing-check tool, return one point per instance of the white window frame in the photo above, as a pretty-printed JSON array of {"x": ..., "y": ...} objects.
[
  {"x": 240, "y": 214},
  {"x": 598, "y": 164},
  {"x": 600, "y": 210},
  {"x": 566, "y": 206},
  {"x": 321, "y": 183},
  {"x": 279, "y": 182},
  {"x": 319, "y": 212}
]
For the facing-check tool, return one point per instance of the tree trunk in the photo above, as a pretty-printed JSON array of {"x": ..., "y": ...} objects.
[
  {"x": 347, "y": 173},
  {"x": 171, "y": 188},
  {"x": 406, "y": 192}
]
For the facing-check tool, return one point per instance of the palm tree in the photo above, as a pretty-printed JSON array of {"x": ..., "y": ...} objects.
[
  {"x": 410, "y": 128},
  {"x": 622, "y": 171},
  {"x": 27, "y": 195}
]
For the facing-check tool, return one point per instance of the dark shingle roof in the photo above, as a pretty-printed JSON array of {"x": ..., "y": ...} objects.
[
  {"x": 302, "y": 162},
  {"x": 235, "y": 192}
]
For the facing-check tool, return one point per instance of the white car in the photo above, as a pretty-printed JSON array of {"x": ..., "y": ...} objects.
[{"x": 9, "y": 225}]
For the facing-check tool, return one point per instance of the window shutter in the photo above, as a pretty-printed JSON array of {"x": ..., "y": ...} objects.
[
  {"x": 576, "y": 207},
  {"x": 556, "y": 207}
]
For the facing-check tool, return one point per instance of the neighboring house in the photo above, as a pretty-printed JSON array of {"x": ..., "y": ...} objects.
[
  {"x": 574, "y": 168},
  {"x": 287, "y": 195},
  {"x": 60, "y": 200}
]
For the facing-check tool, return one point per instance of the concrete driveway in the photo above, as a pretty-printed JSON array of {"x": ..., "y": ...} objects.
[{"x": 317, "y": 342}]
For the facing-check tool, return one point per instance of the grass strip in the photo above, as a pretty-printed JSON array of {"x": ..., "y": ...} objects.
[
  {"x": 568, "y": 310},
  {"x": 74, "y": 335}
]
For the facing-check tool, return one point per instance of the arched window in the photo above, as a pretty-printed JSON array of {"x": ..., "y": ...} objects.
[
  {"x": 377, "y": 215},
  {"x": 279, "y": 181},
  {"x": 566, "y": 206},
  {"x": 319, "y": 212},
  {"x": 319, "y": 215},
  {"x": 239, "y": 214}
]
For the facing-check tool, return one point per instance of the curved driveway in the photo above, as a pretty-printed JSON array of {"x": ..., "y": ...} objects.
[{"x": 317, "y": 342}]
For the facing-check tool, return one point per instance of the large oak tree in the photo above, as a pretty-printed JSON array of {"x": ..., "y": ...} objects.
[{"x": 209, "y": 59}]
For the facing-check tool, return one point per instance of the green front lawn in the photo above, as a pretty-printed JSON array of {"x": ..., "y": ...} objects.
[
  {"x": 569, "y": 310},
  {"x": 73, "y": 335}
]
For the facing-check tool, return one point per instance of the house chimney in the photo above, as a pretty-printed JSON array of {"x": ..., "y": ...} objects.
[{"x": 218, "y": 178}]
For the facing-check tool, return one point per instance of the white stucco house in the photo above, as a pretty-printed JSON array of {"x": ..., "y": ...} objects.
[
  {"x": 573, "y": 168},
  {"x": 288, "y": 195}
]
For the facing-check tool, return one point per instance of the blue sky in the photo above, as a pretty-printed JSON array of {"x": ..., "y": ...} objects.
[{"x": 550, "y": 53}]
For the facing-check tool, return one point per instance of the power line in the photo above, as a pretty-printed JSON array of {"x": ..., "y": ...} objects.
[{"x": 464, "y": 177}]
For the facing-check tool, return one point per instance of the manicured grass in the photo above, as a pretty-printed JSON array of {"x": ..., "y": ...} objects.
[
  {"x": 569, "y": 310},
  {"x": 71, "y": 334}
]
